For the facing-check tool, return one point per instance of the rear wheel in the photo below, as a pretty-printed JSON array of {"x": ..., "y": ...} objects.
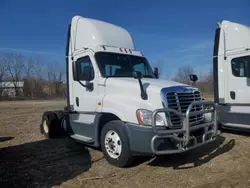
[
  {"x": 51, "y": 125},
  {"x": 115, "y": 144}
]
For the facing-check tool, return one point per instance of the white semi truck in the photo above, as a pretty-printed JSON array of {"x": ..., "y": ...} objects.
[
  {"x": 232, "y": 75},
  {"x": 116, "y": 102}
]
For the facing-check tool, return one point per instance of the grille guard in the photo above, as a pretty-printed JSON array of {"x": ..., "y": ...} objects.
[{"x": 186, "y": 129}]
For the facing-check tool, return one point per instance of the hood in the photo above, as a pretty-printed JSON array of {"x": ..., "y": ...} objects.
[{"x": 132, "y": 85}]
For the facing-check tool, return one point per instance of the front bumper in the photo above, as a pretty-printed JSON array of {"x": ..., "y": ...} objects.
[{"x": 158, "y": 141}]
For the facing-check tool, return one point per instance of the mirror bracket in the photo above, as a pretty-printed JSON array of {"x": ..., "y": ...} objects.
[
  {"x": 89, "y": 86},
  {"x": 156, "y": 72}
]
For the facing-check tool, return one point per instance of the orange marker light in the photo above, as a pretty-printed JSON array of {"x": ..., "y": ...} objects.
[
  {"x": 139, "y": 118},
  {"x": 99, "y": 103}
]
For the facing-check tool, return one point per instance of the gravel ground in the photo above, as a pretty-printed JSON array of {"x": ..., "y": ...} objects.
[{"x": 27, "y": 159}]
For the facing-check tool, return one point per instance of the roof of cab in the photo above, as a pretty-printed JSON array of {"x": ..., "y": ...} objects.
[
  {"x": 236, "y": 36},
  {"x": 86, "y": 32}
]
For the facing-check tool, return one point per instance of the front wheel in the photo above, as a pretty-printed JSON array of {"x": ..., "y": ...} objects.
[{"x": 115, "y": 144}]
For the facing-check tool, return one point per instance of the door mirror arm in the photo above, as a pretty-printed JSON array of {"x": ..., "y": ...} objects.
[
  {"x": 156, "y": 72},
  {"x": 89, "y": 86}
]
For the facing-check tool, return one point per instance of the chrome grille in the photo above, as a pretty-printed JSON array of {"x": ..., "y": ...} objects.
[{"x": 180, "y": 102}]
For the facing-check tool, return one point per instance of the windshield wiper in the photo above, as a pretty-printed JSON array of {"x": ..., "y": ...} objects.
[{"x": 137, "y": 75}]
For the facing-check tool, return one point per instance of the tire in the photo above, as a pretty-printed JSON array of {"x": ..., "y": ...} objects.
[
  {"x": 60, "y": 114},
  {"x": 51, "y": 125},
  {"x": 121, "y": 155},
  {"x": 220, "y": 127}
]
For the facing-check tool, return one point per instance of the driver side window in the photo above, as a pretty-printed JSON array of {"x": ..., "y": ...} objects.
[{"x": 240, "y": 66}]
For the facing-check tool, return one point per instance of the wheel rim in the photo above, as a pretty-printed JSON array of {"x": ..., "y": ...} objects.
[
  {"x": 113, "y": 144},
  {"x": 45, "y": 126}
]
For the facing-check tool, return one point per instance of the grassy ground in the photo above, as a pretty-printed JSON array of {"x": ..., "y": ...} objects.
[{"x": 27, "y": 159}]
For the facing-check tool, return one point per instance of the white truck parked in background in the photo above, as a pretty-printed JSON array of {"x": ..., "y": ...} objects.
[
  {"x": 232, "y": 75},
  {"x": 116, "y": 101}
]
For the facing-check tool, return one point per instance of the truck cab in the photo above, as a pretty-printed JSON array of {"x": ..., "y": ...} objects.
[
  {"x": 231, "y": 64},
  {"x": 117, "y": 102}
]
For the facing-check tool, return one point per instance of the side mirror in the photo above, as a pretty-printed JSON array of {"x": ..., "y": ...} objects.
[
  {"x": 75, "y": 73},
  {"x": 137, "y": 75},
  {"x": 156, "y": 72},
  {"x": 193, "y": 77},
  {"x": 78, "y": 77},
  {"x": 247, "y": 68}
]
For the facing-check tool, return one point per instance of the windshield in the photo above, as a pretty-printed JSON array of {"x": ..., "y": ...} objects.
[{"x": 121, "y": 65}]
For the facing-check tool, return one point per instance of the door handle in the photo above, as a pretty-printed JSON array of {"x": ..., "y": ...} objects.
[
  {"x": 232, "y": 95},
  {"x": 77, "y": 101}
]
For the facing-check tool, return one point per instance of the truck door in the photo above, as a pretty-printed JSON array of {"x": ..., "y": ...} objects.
[
  {"x": 232, "y": 70},
  {"x": 85, "y": 99}
]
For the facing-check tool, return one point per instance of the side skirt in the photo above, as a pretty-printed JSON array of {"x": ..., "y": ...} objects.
[
  {"x": 233, "y": 120},
  {"x": 84, "y": 127}
]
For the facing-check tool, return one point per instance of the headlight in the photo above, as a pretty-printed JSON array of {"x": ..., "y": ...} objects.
[{"x": 145, "y": 118}]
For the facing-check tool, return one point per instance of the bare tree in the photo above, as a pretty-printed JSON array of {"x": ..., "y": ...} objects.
[
  {"x": 2, "y": 73},
  {"x": 2, "y": 69},
  {"x": 29, "y": 67},
  {"x": 28, "y": 79},
  {"x": 39, "y": 75},
  {"x": 182, "y": 74},
  {"x": 14, "y": 64},
  {"x": 55, "y": 77},
  {"x": 34, "y": 76},
  {"x": 209, "y": 82}
]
